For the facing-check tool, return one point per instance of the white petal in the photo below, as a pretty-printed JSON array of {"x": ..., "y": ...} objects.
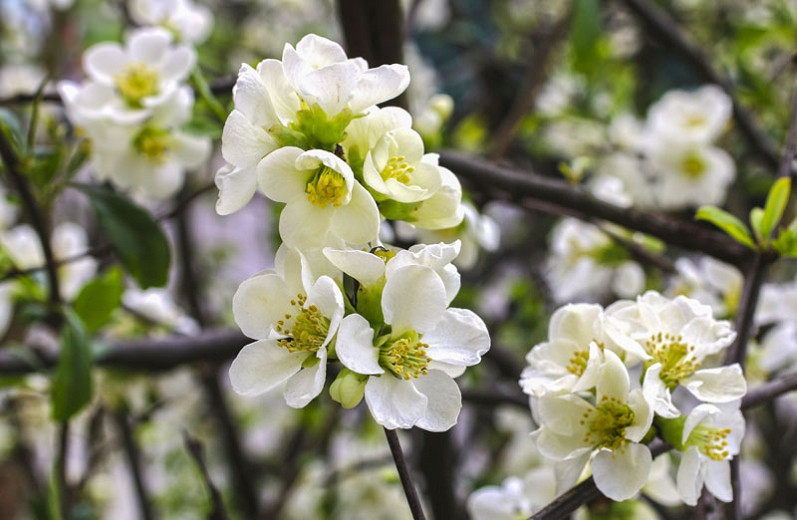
[
  {"x": 104, "y": 60},
  {"x": 177, "y": 64},
  {"x": 365, "y": 267},
  {"x": 326, "y": 296},
  {"x": 261, "y": 366},
  {"x": 560, "y": 447},
  {"x": 378, "y": 85},
  {"x": 620, "y": 474},
  {"x": 690, "y": 476},
  {"x": 614, "y": 381},
  {"x": 189, "y": 150},
  {"x": 718, "y": 479},
  {"x": 318, "y": 50},
  {"x": 445, "y": 401},
  {"x": 306, "y": 384},
  {"x": 413, "y": 298},
  {"x": 259, "y": 302},
  {"x": 236, "y": 187},
  {"x": 355, "y": 346},
  {"x": 358, "y": 221},
  {"x": 717, "y": 385},
  {"x": 460, "y": 338},
  {"x": 331, "y": 86},
  {"x": 278, "y": 177},
  {"x": 252, "y": 98},
  {"x": 657, "y": 394},
  {"x": 393, "y": 402},
  {"x": 148, "y": 44},
  {"x": 304, "y": 225},
  {"x": 242, "y": 143}
]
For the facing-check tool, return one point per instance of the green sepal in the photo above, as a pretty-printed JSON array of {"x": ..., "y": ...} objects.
[
  {"x": 672, "y": 430},
  {"x": 394, "y": 210},
  {"x": 320, "y": 130},
  {"x": 369, "y": 303}
]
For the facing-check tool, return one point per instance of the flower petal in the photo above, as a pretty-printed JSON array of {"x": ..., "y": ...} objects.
[
  {"x": 242, "y": 143},
  {"x": 355, "y": 346},
  {"x": 259, "y": 302},
  {"x": 262, "y": 366},
  {"x": 278, "y": 176},
  {"x": 378, "y": 85},
  {"x": 305, "y": 385},
  {"x": 358, "y": 221},
  {"x": 460, "y": 338},
  {"x": 717, "y": 385},
  {"x": 236, "y": 187},
  {"x": 620, "y": 474},
  {"x": 413, "y": 298},
  {"x": 393, "y": 402},
  {"x": 365, "y": 267},
  {"x": 445, "y": 401}
]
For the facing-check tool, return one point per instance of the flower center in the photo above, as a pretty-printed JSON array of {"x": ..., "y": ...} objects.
[
  {"x": 326, "y": 187},
  {"x": 676, "y": 357},
  {"x": 607, "y": 423},
  {"x": 404, "y": 356},
  {"x": 693, "y": 165},
  {"x": 309, "y": 328},
  {"x": 153, "y": 143},
  {"x": 695, "y": 121},
  {"x": 397, "y": 168},
  {"x": 135, "y": 82},
  {"x": 712, "y": 442},
  {"x": 577, "y": 363}
]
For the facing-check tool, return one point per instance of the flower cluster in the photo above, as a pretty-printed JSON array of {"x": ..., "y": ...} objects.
[
  {"x": 670, "y": 161},
  {"x": 608, "y": 380},
  {"x": 307, "y": 132},
  {"x": 132, "y": 109}
]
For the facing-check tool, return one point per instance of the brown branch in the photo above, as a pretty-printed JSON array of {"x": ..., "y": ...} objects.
[
  {"x": 218, "y": 511},
  {"x": 662, "y": 26},
  {"x": 410, "y": 491},
  {"x": 133, "y": 456},
  {"x": 521, "y": 187}
]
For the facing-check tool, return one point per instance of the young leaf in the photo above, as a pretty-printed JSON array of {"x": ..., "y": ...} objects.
[
  {"x": 99, "y": 298},
  {"x": 775, "y": 206},
  {"x": 72, "y": 383},
  {"x": 756, "y": 216},
  {"x": 726, "y": 222},
  {"x": 136, "y": 236}
]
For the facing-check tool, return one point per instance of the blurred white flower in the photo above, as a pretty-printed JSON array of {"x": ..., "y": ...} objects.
[
  {"x": 708, "y": 281},
  {"x": 157, "y": 305},
  {"x": 515, "y": 498},
  {"x": 694, "y": 117},
  {"x": 190, "y": 21}
]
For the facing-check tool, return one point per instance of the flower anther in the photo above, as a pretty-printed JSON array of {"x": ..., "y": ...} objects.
[
  {"x": 712, "y": 442},
  {"x": 397, "y": 168},
  {"x": 305, "y": 331},
  {"x": 135, "y": 82},
  {"x": 405, "y": 356},
  {"x": 326, "y": 187},
  {"x": 606, "y": 424},
  {"x": 677, "y": 357},
  {"x": 153, "y": 143}
]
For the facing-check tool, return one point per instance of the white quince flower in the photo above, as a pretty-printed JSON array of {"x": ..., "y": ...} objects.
[
  {"x": 778, "y": 302},
  {"x": 191, "y": 22},
  {"x": 690, "y": 174},
  {"x": 711, "y": 437},
  {"x": 68, "y": 240},
  {"x": 673, "y": 338},
  {"x": 571, "y": 359},
  {"x": 397, "y": 169},
  {"x": 145, "y": 72},
  {"x": 698, "y": 116},
  {"x": 150, "y": 158},
  {"x": 320, "y": 72},
  {"x": 295, "y": 320},
  {"x": 263, "y": 101},
  {"x": 324, "y": 203},
  {"x": 708, "y": 281},
  {"x": 157, "y": 305},
  {"x": 515, "y": 498},
  {"x": 411, "y": 367},
  {"x": 573, "y": 430},
  {"x": 443, "y": 209}
]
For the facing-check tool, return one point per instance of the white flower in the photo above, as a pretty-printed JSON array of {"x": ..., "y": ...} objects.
[
  {"x": 698, "y": 116},
  {"x": 674, "y": 338},
  {"x": 320, "y": 72},
  {"x": 150, "y": 158},
  {"x": 294, "y": 320},
  {"x": 157, "y": 305},
  {"x": 397, "y": 168},
  {"x": 571, "y": 358},
  {"x": 144, "y": 73},
  {"x": 263, "y": 100},
  {"x": 190, "y": 21},
  {"x": 324, "y": 203},
  {"x": 515, "y": 498},
  {"x": 443, "y": 209},
  {"x": 412, "y": 366},
  {"x": 690, "y": 174},
  {"x": 68, "y": 240},
  {"x": 711, "y": 437},
  {"x": 573, "y": 430},
  {"x": 778, "y": 302},
  {"x": 708, "y": 281}
]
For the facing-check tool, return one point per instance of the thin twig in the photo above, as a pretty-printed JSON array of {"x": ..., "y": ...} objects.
[
  {"x": 133, "y": 456},
  {"x": 411, "y": 493},
  {"x": 14, "y": 170},
  {"x": 62, "y": 456},
  {"x": 664, "y": 27},
  {"x": 218, "y": 511}
]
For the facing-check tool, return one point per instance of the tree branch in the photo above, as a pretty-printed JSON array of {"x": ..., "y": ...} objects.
[{"x": 404, "y": 474}]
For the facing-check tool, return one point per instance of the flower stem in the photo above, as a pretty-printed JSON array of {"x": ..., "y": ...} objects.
[{"x": 404, "y": 474}]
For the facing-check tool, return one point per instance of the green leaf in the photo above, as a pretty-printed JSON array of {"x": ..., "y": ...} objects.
[
  {"x": 72, "y": 383},
  {"x": 99, "y": 298},
  {"x": 726, "y": 222},
  {"x": 136, "y": 236},
  {"x": 775, "y": 206},
  {"x": 585, "y": 30},
  {"x": 756, "y": 216}
]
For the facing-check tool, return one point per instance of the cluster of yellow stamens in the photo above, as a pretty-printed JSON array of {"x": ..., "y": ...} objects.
[
  {"x": 397, "y": 168},
  {"x": 693, "y": 165},
  {"x": 308, "y": 330},
  {"x": 606, "y": 424},
  {"x": 712, "y": 442},
  {"x": 577, "y": 363},
  {"x": 405, "y": 357},
  {"x": 326, "y": 187},
  {"x": 677, "y": 358},
  {"x": 135, "y": 82},
  {"x": 153, "y": 143}
]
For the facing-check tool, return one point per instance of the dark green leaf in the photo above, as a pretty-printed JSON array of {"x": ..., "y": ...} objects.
[
  {"x": 137, "y": 237},
  {"x": 72, "y": 383},
  {"x": 726, "y": 222},
  {"x": 99, "y": 298},
  {"x": 584, "y": 33}
]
